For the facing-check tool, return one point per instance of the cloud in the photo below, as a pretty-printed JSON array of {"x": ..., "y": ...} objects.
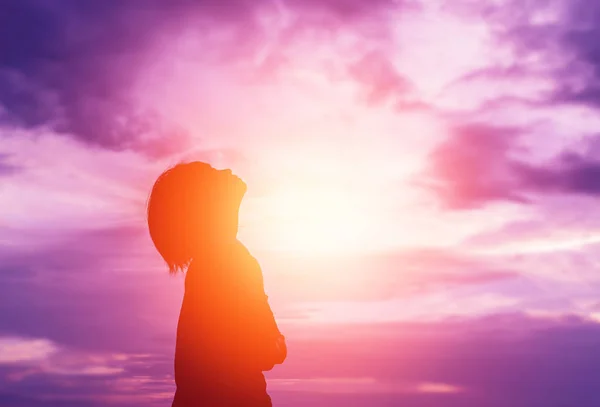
[
  {"x": 74, "y": 67},
  {"x": 570, "y": 172},
  {"x": 331, "y": 16},
  {"x": 579, "y": 76},
  {"x": 545, "y": 39},
  {"x": 16, "y": 350},
  {"x": 471, "y": 167},
  {"x": 75, "y": 70},
  {"x": 88, "y": 379},
  {"x": 477, "y": 165},
  {"x": 358, "y": 386},
  {"x": 348, "y": 9},
  {"x": 380, "y": 78},
  {"x": 450, "y": 363},
  {"x": 555, "y": 359},
  {"x": 6, "y": 167},
  {"x": 42, "y": 356},
  {"x": 73, "y": 290}
]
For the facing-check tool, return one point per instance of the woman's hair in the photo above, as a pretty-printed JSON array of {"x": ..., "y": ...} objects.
[{"x": 185, "y": 206}]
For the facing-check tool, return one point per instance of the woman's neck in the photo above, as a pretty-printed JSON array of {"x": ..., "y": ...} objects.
[{"x": 215, "y": 245}]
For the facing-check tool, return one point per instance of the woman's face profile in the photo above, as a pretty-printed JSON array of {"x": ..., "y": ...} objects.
[{"x": 234, "y": 184}]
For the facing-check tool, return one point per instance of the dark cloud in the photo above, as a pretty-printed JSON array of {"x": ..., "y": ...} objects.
[
  {"x": 576, "y": 33},
  {"x": 568, "y": 173},
  {"x": 71, "y": 66},
  {"x": 558, "y": 35},
  {"x": 472, "y": 167},
  {"x": 476, "y": 165}
]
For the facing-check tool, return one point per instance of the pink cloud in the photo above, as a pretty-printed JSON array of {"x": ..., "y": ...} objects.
[{"x": 20, "y": 350}]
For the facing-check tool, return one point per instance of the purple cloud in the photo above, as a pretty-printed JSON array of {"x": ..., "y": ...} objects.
[
  {"x": 548, "y": 38},
  {"x": 88, "y": 379},
  {"x": 471, "y": 167},
  {"x": 575, "y": 31},
  {"x": 554, "y": 360},
  {"x": 348, "y": 10},
  {"x": 70, "y": 66},
  {"x": 379, "y": 77},
  {"x": 475, "y": 166},
  {"x": 105, "y": 292},
  {"x": 6, "y": 167},
  {"x": 570, "y": 173},
  {"x": 74, "y": 291},
  {"x": 74, "y": 66},
  {"x": 490, "y": 362}
]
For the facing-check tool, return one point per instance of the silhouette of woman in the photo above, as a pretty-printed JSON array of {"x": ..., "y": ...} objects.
[{"x": 226, "y": 334}]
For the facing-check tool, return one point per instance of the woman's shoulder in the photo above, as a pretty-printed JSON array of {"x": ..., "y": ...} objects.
[{"x": 233, "y": 262}]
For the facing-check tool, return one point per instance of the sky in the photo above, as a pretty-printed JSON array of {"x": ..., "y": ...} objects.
[{"x": 423, "y": 179}]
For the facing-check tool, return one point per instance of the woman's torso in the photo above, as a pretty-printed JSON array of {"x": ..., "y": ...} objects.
[{"x": 211, "y": 364}]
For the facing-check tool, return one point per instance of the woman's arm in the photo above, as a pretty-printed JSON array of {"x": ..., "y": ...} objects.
[{"x": 262, "y": 330}]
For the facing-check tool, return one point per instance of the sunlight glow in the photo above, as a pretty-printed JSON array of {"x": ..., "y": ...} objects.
[{"x": 316, "y": 220}]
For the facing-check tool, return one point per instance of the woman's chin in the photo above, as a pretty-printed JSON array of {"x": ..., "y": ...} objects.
[{"x": 239, "y": 186}]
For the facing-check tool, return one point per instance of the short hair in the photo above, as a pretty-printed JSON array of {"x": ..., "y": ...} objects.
[{"x": 182, "y": 200}]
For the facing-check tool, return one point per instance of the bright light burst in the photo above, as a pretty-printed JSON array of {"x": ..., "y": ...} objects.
[{"x": 316, "y": 220}]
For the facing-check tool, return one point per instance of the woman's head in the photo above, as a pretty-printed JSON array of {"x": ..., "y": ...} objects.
[{"x": 193, "y": 206}]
